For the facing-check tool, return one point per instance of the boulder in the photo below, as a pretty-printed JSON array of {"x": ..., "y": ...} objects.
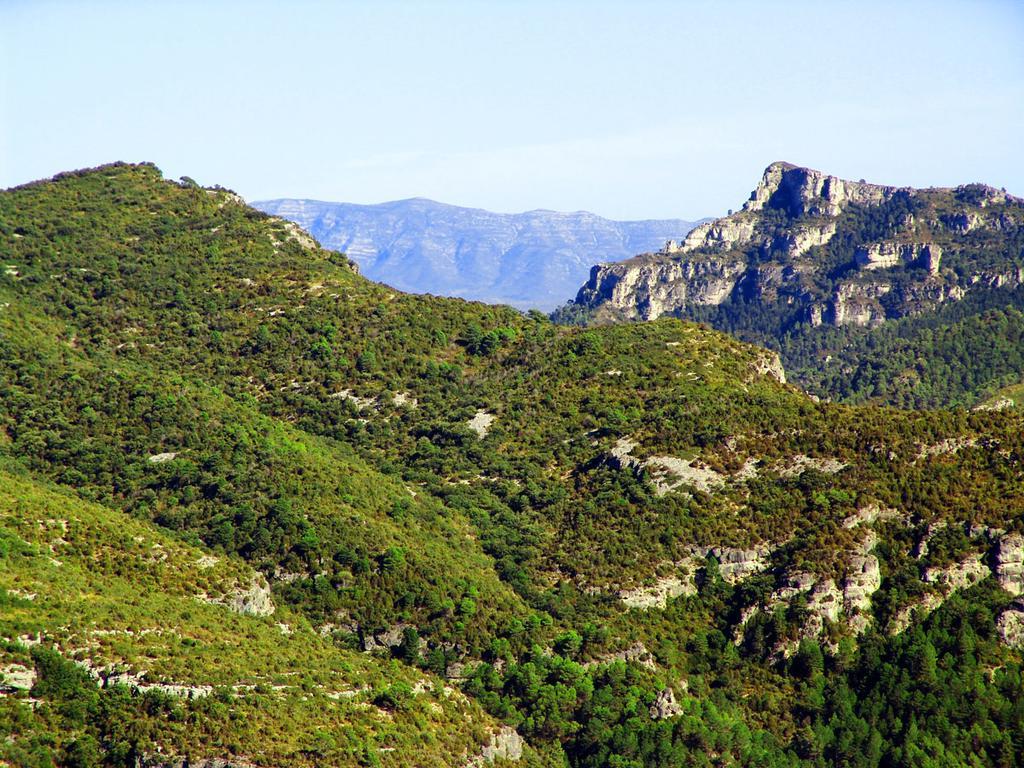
[
  {"x": 1010, "y": 625},
  {"x": 665, "y": 705},
  {"x": 385, "y": 639},
  {"x": 505, "y": 744},
  {"x": 252, "y": 600},
  {"x": 15, "y": 677}
]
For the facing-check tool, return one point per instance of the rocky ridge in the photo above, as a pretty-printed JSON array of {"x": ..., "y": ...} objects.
[
  {"x": 847, "y": 603},
  {"x": 830, "y": 251}
]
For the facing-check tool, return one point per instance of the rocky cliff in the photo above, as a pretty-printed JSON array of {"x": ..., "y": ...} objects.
[
  {"x": 530, "y": 260},
  {"x": 813, "y": 248}
]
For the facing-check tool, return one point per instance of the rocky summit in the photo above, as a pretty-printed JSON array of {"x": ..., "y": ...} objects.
[
  {"x": 531, "y": 260},
  {"x": 833, "y": 251},
  {"x": 812, "y": 251}
]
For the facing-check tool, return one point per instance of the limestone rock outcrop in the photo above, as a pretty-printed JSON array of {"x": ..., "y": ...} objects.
[
  {"x": 646, "y": 288},
  {"x": 253, "y": 599},
  {"x": 863, "y": 580},
  {"x": 665, "y": 705},
  {"x": 1010, "y": 563},
  {"x": 657, "y": 595},
  {"x": 1010, "y": 625},
  {"x": 736, "y": 564},
  {"x": 782, "y": 251},
  {"x": 16, "y": 677},
  {"x": 721, "y": 234},
  {"x": 803, "y": 191},
  {"x": 888, "y": 254},
  {"x": 156, "y": 760},
  {"x": 504, "y": 744},
  {"x": 770, "y": 364},
  {"x": 385, "y": 639}
]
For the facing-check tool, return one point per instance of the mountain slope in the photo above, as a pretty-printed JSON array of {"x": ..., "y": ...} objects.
[
  {"x": 529, "y": 260},
  {"x": 631, "y": 544},
  {"x": 818, "y": 268},
  {"x": 132, "y": 645}
]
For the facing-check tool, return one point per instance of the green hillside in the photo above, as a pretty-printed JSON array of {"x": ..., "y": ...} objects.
[
  {"x": 130, "y": 653},
  {"x": 956, "y": 356},
  {"x": 633, "y": 545}
]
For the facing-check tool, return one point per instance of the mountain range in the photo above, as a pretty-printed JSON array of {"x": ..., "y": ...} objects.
[
  {"x": 531, "y": 260},
  {"x": 258, "y": 511}
]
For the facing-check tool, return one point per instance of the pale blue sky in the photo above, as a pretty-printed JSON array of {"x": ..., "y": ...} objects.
[{"x": 628, "y": 109}]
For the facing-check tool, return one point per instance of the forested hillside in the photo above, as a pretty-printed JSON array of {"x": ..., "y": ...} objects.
[{"x": 631, "y": 545}]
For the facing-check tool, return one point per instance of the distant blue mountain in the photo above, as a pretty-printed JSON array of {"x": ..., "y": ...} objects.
[{"x": 536, "y": 259}]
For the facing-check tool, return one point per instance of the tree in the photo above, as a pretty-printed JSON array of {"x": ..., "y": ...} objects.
[{"x": 366, "y": 362}]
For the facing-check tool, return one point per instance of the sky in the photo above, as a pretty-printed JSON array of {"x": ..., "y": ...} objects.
[{"x": 628, "y": 109}]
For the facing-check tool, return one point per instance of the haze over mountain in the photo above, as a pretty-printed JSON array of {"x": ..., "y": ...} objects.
[{"x": 535, "y": 259}]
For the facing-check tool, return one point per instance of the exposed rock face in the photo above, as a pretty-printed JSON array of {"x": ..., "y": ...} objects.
[
  {"x": 1000, "y": 403},
  {"x": 951, "y": 578},
  {"x": 506, "y": 744},
  {"x": 481, "y": 423},
  {"x": 770, "y": 364},
  {"x": 636, "y": 653},
  {"x": 803, "y": 191},
  {"x": 647, "y": 288},
  {"x": 720, "y": 234},
  {"x": 863, "y": 580},
  {"x": 825, "y": 602},
  {"x": 782, "y": 251},
  {"x": 665, "y": 705},
  {"x": 534, "y": 259},
  {"x": 962, "y": 223},
  {"x": 1010, "y": 625},
  {"x": 792, "y": 585},
  {"x": 299, "y": 235},
  {"x": 15, "y": 677},
  {"x": 803, "y": 238},
  {"x": 960, "y": 575},
  {"x": 886, "y": 254},
  {"x": 385, "y": 639},
  {"x": 253, "y": 600},
  {"x": 658, "y": 595},
  {"x": 800, "y": 464},
  {"x": 850, "y": 604},
  {"x": 857, "y": 304},
  {"x": 869, "y": 514},
  {"x": 154, "y": 760},
  {"x": 670, "y": 473},
  {"x": 177, "y": 690},
  {"x": 737, "y": 564},
  {"x": 734, "y": 565},
  {"x": 620, "y": 456},
  {"x": 1010, "y": 563}
]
